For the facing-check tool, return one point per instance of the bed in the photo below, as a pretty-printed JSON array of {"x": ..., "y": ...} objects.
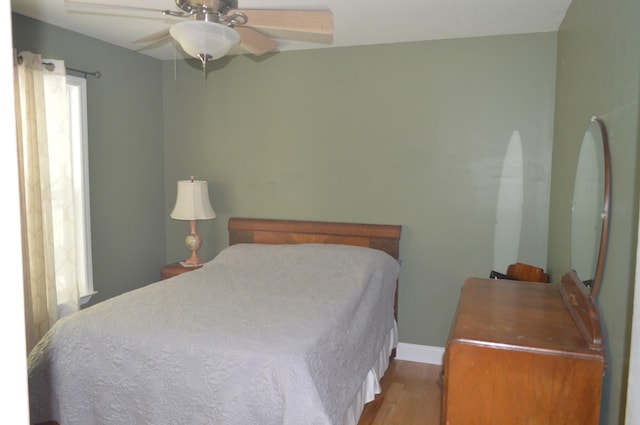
[{"x": 294, "y": 323}]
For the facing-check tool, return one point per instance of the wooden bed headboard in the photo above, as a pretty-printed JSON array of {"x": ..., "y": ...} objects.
[{"x": 378, "y": 236}]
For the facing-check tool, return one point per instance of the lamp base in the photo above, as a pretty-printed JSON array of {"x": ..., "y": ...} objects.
[
  {"x": 193, "y": 242},
  {"x": 191, "y": 262},
  {"x": 189, "y": 266}
]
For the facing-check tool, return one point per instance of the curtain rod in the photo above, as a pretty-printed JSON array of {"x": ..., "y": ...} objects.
[
  {"x": 51, "y": 66},
  {"x": 96, "y": 74}
]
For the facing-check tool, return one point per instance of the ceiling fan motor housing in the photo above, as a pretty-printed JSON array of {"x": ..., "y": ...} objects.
[{"x": 207, "y": 6}]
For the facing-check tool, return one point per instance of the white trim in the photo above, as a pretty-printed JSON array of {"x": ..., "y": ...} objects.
[
  {"x": 77, "y": 95},
  {"x": 420, "y": 353}
]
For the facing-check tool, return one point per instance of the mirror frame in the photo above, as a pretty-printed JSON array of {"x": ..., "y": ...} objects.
[{"x": 604, "y": 235}]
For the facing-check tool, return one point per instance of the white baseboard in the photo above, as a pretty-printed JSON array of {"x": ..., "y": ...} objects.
[{"x": 419, "y": 353}]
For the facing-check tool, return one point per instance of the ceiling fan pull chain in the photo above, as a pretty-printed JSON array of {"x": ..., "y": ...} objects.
[{"x": 204, "y": 58}]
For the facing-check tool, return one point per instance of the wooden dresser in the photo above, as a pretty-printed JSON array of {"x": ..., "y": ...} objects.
[{"x": 523, "y": 353}]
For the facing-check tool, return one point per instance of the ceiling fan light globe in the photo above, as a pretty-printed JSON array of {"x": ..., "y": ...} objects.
[{"x": 205, "y": 39}]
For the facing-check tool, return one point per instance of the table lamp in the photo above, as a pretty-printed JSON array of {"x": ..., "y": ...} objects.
[{"x": 192, "y": 204}]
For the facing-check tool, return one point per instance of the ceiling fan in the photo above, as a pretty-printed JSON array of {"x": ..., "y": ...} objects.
[{"x": 213, "y": 27}]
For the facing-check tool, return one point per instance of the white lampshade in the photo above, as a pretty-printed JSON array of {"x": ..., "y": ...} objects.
[
  {"x": 192, "y": 201},
  {"x": 202, "y": 39}
]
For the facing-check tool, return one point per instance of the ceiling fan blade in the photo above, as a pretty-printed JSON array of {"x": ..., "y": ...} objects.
[
  {"x": 83, "y": 3},
  {"x": 312, "y": 21},
  {"x": 306, "y": 37},
  {"x": 254, "y": 42},
  {"x": 89, "y": 4},
  {"x": 153, "y": 37}
]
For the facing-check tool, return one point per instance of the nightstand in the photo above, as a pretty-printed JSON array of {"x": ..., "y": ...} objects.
[{"x": 175, "y": 269}]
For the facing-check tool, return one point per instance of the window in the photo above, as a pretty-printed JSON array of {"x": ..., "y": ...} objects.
[{"x": 77, "y": 96}]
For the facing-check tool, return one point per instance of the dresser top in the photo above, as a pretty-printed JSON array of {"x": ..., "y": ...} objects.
[{"x": 517, "y": 315}]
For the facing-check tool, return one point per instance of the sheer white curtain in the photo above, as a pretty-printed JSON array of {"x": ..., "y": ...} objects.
[{"x": 43, "y": 142}]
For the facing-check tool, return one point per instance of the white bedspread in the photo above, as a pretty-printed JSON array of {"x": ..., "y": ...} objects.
[{"x": 262, "y": 334}]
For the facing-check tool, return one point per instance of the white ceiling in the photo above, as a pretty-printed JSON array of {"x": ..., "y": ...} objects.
[{"x": 356, "y": 22}]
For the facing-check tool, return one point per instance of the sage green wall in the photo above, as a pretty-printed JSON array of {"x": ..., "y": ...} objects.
[
  {"x": 411, "y": 134},
  {"x": 125, "y": 153},
  {"x": 599, "y": 74}
]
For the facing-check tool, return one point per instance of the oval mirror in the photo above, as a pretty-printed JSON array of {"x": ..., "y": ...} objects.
[{"x": 590, "y": 206}]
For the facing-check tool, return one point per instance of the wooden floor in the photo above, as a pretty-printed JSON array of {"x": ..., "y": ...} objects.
[{"x": 411, "y": 394}]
